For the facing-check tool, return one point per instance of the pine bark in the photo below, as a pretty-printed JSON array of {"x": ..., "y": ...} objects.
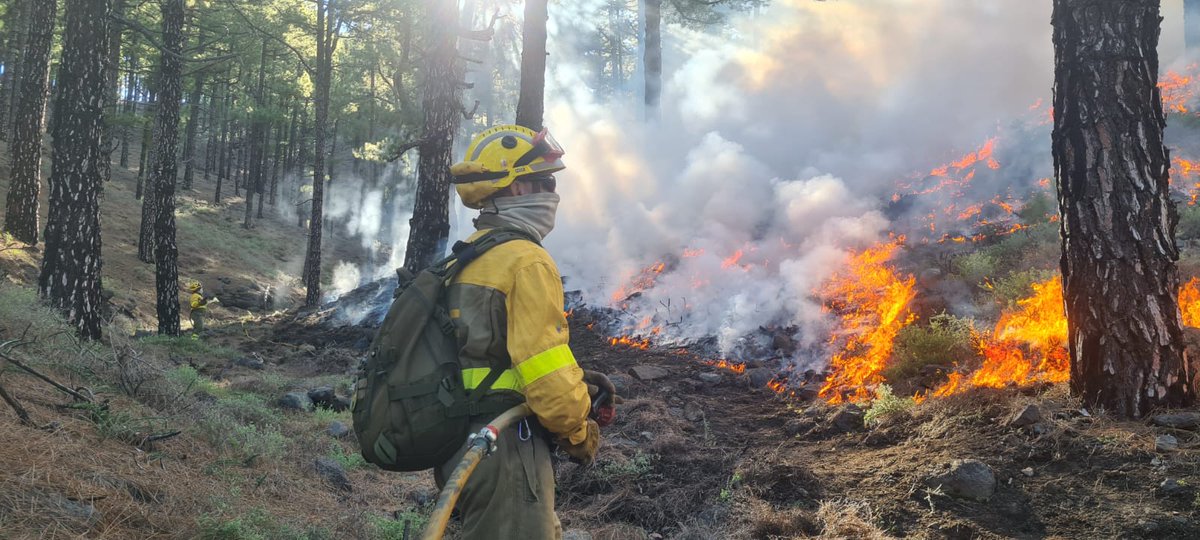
[
  {"x": 19, "y": 40},
  {"x": 1191, "y": 24},
  {"x": 1118, "y": 222},
  {"x": 531, "y": 103},
  {"x": 442, "y": 103},
  {"x": 193, "y": 127},
  {"x": 326, "y": 45},
  {"x": 130, "y": 104},
  {"x": 22, "y": 205},
  {"x": 112, "y": 82},
  {"x": 10, "y": 56},
  {"x": 70, "y": 275},
  {"x": 163, "y": 171},
  {"x": 653, "y": 59}
]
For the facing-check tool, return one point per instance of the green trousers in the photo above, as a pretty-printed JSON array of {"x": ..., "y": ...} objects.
[
  {"x": 510, "y": 496},
  {"x": 198, "y": 320}
]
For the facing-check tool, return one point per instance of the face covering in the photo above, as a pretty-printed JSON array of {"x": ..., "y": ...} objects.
[{"x": 532, "y": 213}]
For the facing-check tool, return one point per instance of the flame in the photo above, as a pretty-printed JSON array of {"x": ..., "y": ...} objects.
[
  {"x": 1028, "y": 345},
  {"x": 1177, "y": 91},
  {"x": 732, "y": 260},
  {"x": 872, "y": 303},
  {"x": 728, "y": 366},
  {"x": 1189, "y": 303},
  {"x": 692, "y": 253},
  {"x": 778, "y": 386},
  {"x": 631, "y": 342},
  {"x": 640, "y": 282}
]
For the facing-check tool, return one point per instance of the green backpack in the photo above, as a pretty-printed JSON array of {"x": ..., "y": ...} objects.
[{"x": 411, "y": 410}]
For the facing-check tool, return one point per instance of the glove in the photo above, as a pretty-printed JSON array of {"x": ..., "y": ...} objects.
[
  {"x": 604, "y": 397},
  {"x": 215, "y": 300},
  {"x": 583, "y": 453}
]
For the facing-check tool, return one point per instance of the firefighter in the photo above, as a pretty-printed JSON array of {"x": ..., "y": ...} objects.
[
  {"x": 199, "y": 304},
  {"x": 508, "y": 308}
]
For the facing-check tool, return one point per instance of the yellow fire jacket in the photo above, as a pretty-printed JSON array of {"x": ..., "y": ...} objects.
[
  {"x": 199, "y": 302},
  {"x": 508, "y": 308}
]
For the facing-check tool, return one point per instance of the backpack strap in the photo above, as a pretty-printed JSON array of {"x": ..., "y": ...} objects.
[{"x": 463, "y": 254}]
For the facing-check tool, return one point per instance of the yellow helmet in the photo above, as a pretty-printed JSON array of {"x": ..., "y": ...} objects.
[
  {"x": 499, "y": 156},
  {"x": 194, "y": 286}
]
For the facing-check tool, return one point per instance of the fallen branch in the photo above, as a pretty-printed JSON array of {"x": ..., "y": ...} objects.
[
  {"x": 21, "y": 412},
  {"x": 160, "y": 437},
  {"x": 48, "y": 380}
]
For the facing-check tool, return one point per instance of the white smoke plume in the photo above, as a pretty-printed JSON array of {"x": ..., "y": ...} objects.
[{"x": 781, "y": 138}]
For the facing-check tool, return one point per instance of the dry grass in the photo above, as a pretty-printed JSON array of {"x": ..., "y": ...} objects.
[{"x": 848, "y": 519}]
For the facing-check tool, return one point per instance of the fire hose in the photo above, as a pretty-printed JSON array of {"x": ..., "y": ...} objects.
[{"x": 478, "y": 446}]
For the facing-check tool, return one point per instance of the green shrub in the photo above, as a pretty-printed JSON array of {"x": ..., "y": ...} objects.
[
  {"x": 946, "y": 340},
  {"x": 635, "y": 467},
  {"x": 323, "y": 416},
  {"x": 887, "y": 405},
  {"x": 256, "y": 524},
  {"x": 187, "y": 347},
  {"x": 351, "y": 460},
  {"x": 245, "y": 441},
  {"x": 22, "y": 313},
  {"x": 406, "y": 525},
  {"x": 975, "y": 267},
  {"x": 1189, "y": 223},
  {"x": 1017, "y": 285},
  {"x": 248, "y": 408}
]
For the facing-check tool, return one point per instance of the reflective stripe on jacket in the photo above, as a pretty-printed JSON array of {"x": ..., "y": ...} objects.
[{"x": 508, "y": 309}]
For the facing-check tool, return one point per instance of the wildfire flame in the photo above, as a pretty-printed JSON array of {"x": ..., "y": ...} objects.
[
  {"x": 1189, "y": 303},
  {"x": 872, "y": 304}
]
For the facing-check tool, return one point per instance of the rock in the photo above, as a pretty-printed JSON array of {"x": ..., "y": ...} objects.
[
  {"x": 649, "y": 373},
  {"x": 622, "y": 382},
  {"x": 807, "y": 392},
  {"x": 338, "y": 430},
  {"x": 321, "y": 395},
  {"x": 68, "y": 509},
  {"x": 1027, "y": 416},
  {"x": 710, "y": 378},
  {"x": 1172, "y": 487},
  {"x": 341, "y": 403},
  {"x": 576, "y": 534},
  {"x": 331, "y": 471},
  {"x": 1166, "y": 443},
  {"x": 295, "y": 401},
  {"x": 1027, "y": 471},
  {"x": 1179, "y": 420},
  {"x": 252, "y": 362},
  {"x": 422, "y": 497},
  {"x": 969, "y": 479},
  {"x": 693, "y": 413},
  {"x": 847, "y": 419},
  {"x": 647, "y": 435},
  {"x": 759, "y": 377}
]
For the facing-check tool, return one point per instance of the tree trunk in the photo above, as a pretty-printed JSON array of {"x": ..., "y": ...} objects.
[
  {"x": 442, "y": 104},
  {"x": 326, "y": 45},
  {"x": 10, "y": 56},
  {"x": 189, "y": 144},
  {"x": 531, "y": 103},
  {"x": 276, "y": 163},
  {"x": 130, "y": 103},
  {"x": 223, "y": 157},
  {"x": 1191, "y": 24},
  {"x": 19, "y": 38},
  {"x": 112, "y": 83},
  {"x": 258, "y": 131},
  {"x": 1118, "y": 221},
  {"x": 70, "y": 274},
  {"x": 164, "y": 169},
  {"x": 653, "y": 60},
  {"x": 21, "y": 209},
  {"x": 144, "y": 156}
]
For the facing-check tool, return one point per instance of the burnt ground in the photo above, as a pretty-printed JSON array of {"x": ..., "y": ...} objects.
[{"x": 701, "y": 452}]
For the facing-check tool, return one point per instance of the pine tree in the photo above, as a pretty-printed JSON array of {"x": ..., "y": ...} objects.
[
  {"x": 70, "y": 274},
  {"x": 21, "y": 208}
]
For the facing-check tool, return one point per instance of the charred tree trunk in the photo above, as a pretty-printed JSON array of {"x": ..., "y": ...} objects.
[
  {"x": 70, "y": 274},
  {"x": 531, "y": 103},
  {"x": 223, "y": 157},
  {"x": 21, "y": 208},
  {"x": 442, "y": 104},
  {"x": 326, "y": 45},
  {"x": 164, "y": 169},
  {"x": 1118, "y": 221},
  {"x": 653, "y": 60},
  {"x": 10, "y": 56},
  {"x": 144, "y": 156}
]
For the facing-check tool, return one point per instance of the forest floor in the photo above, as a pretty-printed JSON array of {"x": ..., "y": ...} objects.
[{"x": 697, "y": 451}]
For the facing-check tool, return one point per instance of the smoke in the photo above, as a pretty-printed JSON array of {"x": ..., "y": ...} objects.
[{"x": 780, "y": 142}]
